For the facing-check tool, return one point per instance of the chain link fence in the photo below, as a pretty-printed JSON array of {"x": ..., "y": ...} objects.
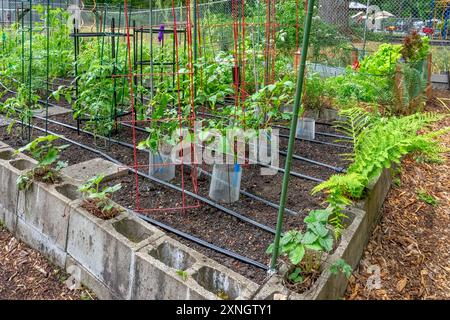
[{"x": 365, "y": 23}]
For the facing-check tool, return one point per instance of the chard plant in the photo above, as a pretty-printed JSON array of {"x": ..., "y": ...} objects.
[
  {"x": 47, "y": 154},
  {"x": 98, "y": 200}
]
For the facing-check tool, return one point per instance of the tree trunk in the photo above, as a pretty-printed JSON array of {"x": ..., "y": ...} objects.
[{"x": 335, "y": 12}]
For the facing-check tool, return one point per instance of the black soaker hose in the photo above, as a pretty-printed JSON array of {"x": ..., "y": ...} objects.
[
  {"x": 160, "y": 224},
  {"x": 129, "y": 145}
]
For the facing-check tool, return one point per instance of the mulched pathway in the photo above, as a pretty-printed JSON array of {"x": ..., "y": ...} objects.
[
  {"x": 410, "y": 248},
  {"x": 27, "y": 275}
]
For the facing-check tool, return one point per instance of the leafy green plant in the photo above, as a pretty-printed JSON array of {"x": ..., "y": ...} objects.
[
  {"x": 341, "y": 266},
  {"x": 96, "y": 94},
  {"x": 314, "y": 92},
  {"x": 427, "y": 198},
  {"x": 266, "y": 105},
  {"x": 98, "y": 201},
  {"x": 48, "y": 167},
  {"x": 304, "y": 250},
  {"x": 383, "y": 61},
  {"x": 163, "y": 121},
  {"x": 358, "y": 86},
  {"x": 377, "y": 147},
  {"x": 20, "y": 106}
]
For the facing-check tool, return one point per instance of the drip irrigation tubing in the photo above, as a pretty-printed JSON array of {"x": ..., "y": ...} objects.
[
  {"x": 166, "y": 184},
  {"x": 204, "y": 243},
  {"x": 167, "y": 227},
  {"x": 130, "y": 146},
  {"x": 320, "y": 133},
  {"x": 338, "y": 169},
  {"x": 287, "y": 128},
  {"x": 302, "y": 139},
  {"x": 337, "y": 145}
]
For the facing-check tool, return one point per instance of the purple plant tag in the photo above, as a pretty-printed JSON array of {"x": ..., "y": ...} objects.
[{"x": 161, "y": 33}]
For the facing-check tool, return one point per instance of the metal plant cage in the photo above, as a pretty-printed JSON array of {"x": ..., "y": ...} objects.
[{"x": 142, "y": 49}]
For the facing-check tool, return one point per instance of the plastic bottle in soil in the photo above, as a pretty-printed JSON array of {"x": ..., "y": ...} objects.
[
  {"x": 161, "y": 166},
  {"x": 306, "y": 128},
  {"x": 225, "y": 183}
]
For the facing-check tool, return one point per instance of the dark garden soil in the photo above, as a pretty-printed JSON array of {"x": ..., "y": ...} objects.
[
  {"x": 204, "y": 221},
  {"x": 93, "y": 207},
  {"x": 410, "y": 248},
  {"x": 27, "y": 275}
]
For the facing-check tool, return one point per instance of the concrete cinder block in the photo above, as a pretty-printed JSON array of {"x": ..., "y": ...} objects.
[
  {"x": 11, "y": 167},
  {"x": 3, "y": 145},
  {"x": 106, "y": 248},
  {"x": 169, "y": 270},
  {"x": 52, "y": 111},
  {"x": 372, "y": 203},
  {"x": 83, "y": 171},
  {"x": 272, "y": 289},
  {"x": 80, "y": 275},
  {"x": 217, "y": 281},
  {"x": 44, "y": 210},
  {"x": 41, "y": 242}
]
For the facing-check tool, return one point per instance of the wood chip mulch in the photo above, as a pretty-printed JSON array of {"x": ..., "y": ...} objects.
[
  {"x": 410, "y": 248},
  {"x": 27, "y": 275}
]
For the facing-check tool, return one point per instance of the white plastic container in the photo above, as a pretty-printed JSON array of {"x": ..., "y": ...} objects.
[
  {"x": 161, "y": 166},
  {"x": 225, "y": 183},
  {"x": 306, "y": 128}
]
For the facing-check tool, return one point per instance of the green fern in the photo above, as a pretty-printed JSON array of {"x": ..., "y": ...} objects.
[
  {"x": 379, "y": 142},
  {"x": 356, "y": 122}
]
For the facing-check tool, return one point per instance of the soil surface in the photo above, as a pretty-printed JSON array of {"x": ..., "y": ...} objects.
[
  {"x": 27, "y": 275},
  {"x": 409, "y": 251},
  {"x": 204, "y": 221}
]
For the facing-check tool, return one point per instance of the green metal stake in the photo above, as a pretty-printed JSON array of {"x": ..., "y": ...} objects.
[
  {"x": 30, "y": 67},
  {"x": 23, "y": 46},
  {"x": 48, "y": 65},
  {"x": 287, "y": 168}
]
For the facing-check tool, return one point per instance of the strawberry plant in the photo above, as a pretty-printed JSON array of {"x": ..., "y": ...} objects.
[
  {"x": 48, "y": 167},
  {"x": 98, "y": 201},
  {"x": 304, "y": 250}
]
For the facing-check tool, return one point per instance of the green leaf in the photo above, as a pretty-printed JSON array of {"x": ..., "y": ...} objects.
[
  {"x": 269, "y": 249},
  {"x": 112, "y": 189},
  {"x": 50, "y": 157},
  {"x": 314, "y": 246},
  {"x": 326, "y": 243},
  {"x": 296, "y": 276},
  {"x": 309, "y": 238},
  {"x": 296, "y": 255}
]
